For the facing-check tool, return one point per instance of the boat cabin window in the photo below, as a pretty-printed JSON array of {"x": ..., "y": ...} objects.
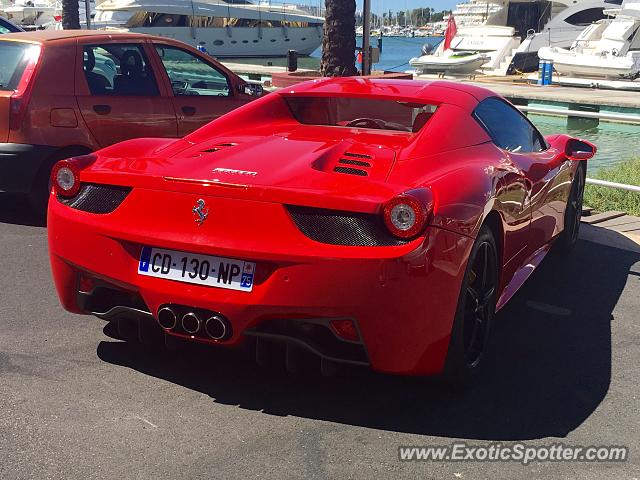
[
  {"x": 509, "y": 129},
  {"x": 527, "y": 16},
  {"x": 118, "y": 69},
  {"x": 190, "y": 75},
  {"x": 586, "y": 17},
  {"x": 360, "y": 113},
  {"x": 153, "y": 19}
]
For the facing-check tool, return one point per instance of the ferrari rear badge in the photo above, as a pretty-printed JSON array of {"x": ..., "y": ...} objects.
[
  {"x": 201, "y": 211},
  {"x": 233, "y": 171}
]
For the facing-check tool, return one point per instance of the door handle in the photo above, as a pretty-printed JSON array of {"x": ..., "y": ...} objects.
[
  {"x": 102, "y": 109},
  {"x": 189, "y": 111}
]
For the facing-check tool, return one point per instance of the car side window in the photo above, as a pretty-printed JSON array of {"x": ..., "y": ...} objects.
[
  {"x": 190, "y": 75},
  {"x": 509, "y": 129},
  {"x": 118, "y": 70},
  {"x": 4, "y": 29}
]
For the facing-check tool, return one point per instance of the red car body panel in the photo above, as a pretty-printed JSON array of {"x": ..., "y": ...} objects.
[{"x": 252, "y": 163}]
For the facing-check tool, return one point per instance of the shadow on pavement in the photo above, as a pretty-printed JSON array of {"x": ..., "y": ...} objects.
[
  {"x": 15, "y": 209},
  {"x": 548, "y": 369}
]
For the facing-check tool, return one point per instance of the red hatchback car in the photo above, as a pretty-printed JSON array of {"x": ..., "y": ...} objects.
[
  {"x": 66, "y": 93},
  {"x": 371, "y": 222}
]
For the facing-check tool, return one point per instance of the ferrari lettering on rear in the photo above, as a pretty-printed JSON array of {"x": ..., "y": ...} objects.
[{"x": 235, "y": 172}]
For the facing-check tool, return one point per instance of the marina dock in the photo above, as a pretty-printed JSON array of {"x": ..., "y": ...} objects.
[
  {"x": 256, "y": 72},
  {"x": 519, "y": 90}
]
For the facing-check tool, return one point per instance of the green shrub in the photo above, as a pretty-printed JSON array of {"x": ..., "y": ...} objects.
[{"x": 606, "y": 199}]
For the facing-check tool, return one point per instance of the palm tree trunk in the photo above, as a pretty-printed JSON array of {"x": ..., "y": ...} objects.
[
  {"x": 339, "y": 44},
  {"x": 70, "y": 15}
]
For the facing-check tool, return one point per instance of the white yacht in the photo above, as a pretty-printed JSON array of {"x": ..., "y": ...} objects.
[
  {"x": 568, "y": 19},
  {"x": 41, "y": 14},
  {"x": 475, "y": 12},
  {"x": 510, "y": 32},
  {"x": 231, "y": 28},
  {"x": 607, "y": 49},
  {"x": 30, "y": 14}
]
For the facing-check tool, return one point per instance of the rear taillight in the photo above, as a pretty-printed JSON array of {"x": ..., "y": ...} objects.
[
  {"x": 65, "y": 175},
  {"x": 20, "y": 97},
  {"x": 407, "y": 215}
]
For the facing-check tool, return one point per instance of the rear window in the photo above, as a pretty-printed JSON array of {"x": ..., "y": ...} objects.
[
  {"x": 14, "y": 57},
  {"x": 361, "y": 113}
]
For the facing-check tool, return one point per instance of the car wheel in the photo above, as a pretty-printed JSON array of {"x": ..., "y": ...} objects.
[
  {"x": 475, "y": 312},
  {"x": 39, "y": 196},
  {"x": 573, "y": 213}
]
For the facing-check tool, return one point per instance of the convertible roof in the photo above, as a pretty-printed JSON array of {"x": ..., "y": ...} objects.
[{"x": 461, "y": 94}]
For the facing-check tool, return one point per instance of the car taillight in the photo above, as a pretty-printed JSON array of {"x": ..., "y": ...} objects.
[
  {"x": 65, "y": 175},
  {"x": 20, "y": 97},
  {"x": 407, "y": 215}
]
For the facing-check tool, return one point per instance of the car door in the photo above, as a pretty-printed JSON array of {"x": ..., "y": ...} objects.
[
  {"x": 118, "y": 93},
  {"x": 541, "y": 171},
  {"x": 201, "y": 91},
  {"x": 514, "y": 191}
]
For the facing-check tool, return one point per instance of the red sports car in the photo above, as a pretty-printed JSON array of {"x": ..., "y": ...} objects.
[{"x": 373, "y": 222}]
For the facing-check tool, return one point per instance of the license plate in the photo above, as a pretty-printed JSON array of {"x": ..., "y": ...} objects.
[{"x": 198, "y": 269}]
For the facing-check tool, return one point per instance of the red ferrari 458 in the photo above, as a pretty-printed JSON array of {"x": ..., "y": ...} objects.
[{"x": 372, "y": 222}]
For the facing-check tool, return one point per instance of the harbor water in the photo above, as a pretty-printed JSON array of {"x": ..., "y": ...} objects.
[
  {"x": 396, "y": 52},
  {"x": 615, "y": 141}
]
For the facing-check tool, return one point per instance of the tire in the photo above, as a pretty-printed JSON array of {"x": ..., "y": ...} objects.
[
  {"x": 573, "y": 213},
  {"x": 475, "y": 312},
  {"x": 38, "y": 198}
]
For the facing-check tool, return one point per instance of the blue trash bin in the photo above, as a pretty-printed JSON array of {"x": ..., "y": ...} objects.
[
  {"x": 548, "y": 72},
  {"x": 541, "y": 69}
]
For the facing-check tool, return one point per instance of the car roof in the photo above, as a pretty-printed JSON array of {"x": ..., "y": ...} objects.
[
  {"x": 462, "y": 94},
  {"x": 44, "y": 36}
]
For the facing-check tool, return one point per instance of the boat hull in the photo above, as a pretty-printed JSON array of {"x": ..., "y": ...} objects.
[
  {"x": 573, "y": 64},
  {"x": 447, "y": 65}
]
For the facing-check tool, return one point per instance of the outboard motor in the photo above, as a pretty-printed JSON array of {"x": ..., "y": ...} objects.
[{"x": 427, "y": 49}]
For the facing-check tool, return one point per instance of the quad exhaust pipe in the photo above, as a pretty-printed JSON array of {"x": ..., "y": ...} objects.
[
  {"x": 215, "y": 327},
  {"x": 191, "y": 323},
  {"x": 167, "y": 318}
]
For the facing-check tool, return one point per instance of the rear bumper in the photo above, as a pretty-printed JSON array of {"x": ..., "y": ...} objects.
[
  {"x": 403, "y": 303},
  {"x": 20, "y": 164}
]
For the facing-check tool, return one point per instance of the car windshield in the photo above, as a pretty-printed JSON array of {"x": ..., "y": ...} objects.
[
  {"x": 361, "y": 113},
  {"x": 13, "y": 60}
]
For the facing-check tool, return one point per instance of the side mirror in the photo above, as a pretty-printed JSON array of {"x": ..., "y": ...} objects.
[
  {"x": 252, "y": 89},
  {"x": 579, "y": 150},
  {"x": 572, "y": 148}
]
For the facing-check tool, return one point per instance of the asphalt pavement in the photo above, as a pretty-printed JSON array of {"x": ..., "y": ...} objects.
[{"x": 78, "y": 402}]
